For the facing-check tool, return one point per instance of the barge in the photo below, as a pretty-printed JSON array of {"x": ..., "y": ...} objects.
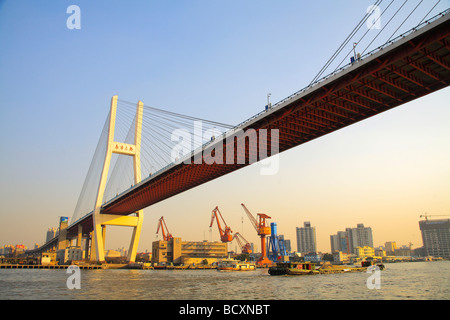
[{"x": 309, "y": 268}]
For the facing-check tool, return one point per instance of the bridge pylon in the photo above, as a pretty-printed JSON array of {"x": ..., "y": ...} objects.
[{"x": 100, "y": 221}]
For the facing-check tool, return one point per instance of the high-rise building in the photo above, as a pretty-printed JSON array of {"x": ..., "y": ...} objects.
[
  {"x": 339, "y": 242},
  {"x": 287, "y": 243},
  {"x": 334, "y": 241},
  {"x": 390, "y": 247},
  {"x": 51, "y": 233},
  {"x": 7, "y": 249},
  {"x": 436, "y": 237},
  {"x": 306, "y": 238},
  {"x": 359, "y": 237},
  {"x": 347, "y": 241}
]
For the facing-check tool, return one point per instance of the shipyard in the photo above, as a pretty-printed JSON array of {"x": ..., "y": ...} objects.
[{"x": 173, "y": 253}]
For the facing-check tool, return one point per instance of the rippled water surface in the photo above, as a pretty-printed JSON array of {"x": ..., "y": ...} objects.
[{"x": 418, "y": 280}]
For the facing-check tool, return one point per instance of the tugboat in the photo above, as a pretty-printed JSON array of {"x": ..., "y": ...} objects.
[{"x": 235, "y": 265}]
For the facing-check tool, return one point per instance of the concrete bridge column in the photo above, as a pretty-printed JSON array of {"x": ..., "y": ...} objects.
[
  {"x": 104, "y": 236},
  {"x": 62, "y": 236},
  {"x": 93, "y": 255},
  {"x": 135, "y": 238},
  {"x": 87, "y": 246},
  {"x": 101, "y": 220},
  {"x": 79, "y": 235}
]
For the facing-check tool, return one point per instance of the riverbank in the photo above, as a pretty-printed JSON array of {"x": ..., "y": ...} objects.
[
  {"x": 106, "y": 266},
  {"x": 47, "y": 266},
  {"x": 145, "y": 266}
]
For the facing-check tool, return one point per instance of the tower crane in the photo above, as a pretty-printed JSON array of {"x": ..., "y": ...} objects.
[
  {"x": 161, "y": 225},
  {"x": 262, "y": 230},
  {"x": 426, "y": 215},
  {"x": 225, "y": 235},
  {"x": 244, "y": 244}
]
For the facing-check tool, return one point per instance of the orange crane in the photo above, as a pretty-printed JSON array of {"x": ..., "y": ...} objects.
[
  {"x": 225, "y": 235},
  {"x": 166, "y": 235},
  {"x": 244, "y": 244},
  {"x": 263, "y": 231}
]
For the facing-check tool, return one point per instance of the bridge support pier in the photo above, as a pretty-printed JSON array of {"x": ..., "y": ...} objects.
[
  {"x": 135, "y": 238},
  {"x": 87, "y": 245},
  {"x": 101, "y": 220},
  {"x": 63, "y": 242},
  {"x": 79, "y": 235}
]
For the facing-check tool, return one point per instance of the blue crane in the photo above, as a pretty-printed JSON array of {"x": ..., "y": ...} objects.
[{"x": 275, "y": 246}]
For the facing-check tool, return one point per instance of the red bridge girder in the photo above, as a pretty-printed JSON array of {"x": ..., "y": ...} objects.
[{"x": 408, "y": 69}]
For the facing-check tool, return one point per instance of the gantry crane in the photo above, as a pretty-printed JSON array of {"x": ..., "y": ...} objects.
[
  {"x": 225, "y": 234},
  {"x": 244, "y": 244},
  {"x": 161, "y": 225},
  {"x": 262, "y": 230},
  {"x": 275, "y": 247},
  {"x": 426, "y": 215}
]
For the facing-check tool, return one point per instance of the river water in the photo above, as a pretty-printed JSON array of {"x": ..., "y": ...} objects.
[{"x": 399, "y": 281}]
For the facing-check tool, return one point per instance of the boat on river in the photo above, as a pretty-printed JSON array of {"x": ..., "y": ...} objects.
[
  {"x": 293, "y": 268},
  {"x": 309, "y": 268},
  {"x": 235, "y": 265}
]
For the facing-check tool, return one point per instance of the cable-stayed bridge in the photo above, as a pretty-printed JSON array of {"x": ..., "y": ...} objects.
[{"x": 156, "y": 154}]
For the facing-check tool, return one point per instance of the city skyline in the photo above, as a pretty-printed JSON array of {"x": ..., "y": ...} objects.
[
  {"x": 233, "y": 246},
  {"x": 56, "y": 84}
]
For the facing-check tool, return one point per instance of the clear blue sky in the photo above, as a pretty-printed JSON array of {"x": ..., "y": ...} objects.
[{"x": 216, "y": 60}]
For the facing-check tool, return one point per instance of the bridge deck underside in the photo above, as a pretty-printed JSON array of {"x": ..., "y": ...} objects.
[{"x": 410, "y": 70}]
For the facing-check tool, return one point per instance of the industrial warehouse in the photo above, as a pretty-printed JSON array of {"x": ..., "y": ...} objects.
[{"x": 176, "y": 251}]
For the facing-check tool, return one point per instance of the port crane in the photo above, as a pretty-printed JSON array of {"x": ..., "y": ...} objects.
[
  {"x": 244, "y": 244},
  {"x": 263, "y": 230},
  {"x": 162, "y": 225},
  {"x": 225, "y": 234},
  {"x": 275, "y": 247},
  {"x": 426, "y": 215}
]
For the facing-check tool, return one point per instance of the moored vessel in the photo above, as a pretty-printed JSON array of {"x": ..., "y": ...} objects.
[
  {"x": 235, "y": 265},
  {"x": 309, "y": 268},
  {"x": 293, "y": 268}
]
